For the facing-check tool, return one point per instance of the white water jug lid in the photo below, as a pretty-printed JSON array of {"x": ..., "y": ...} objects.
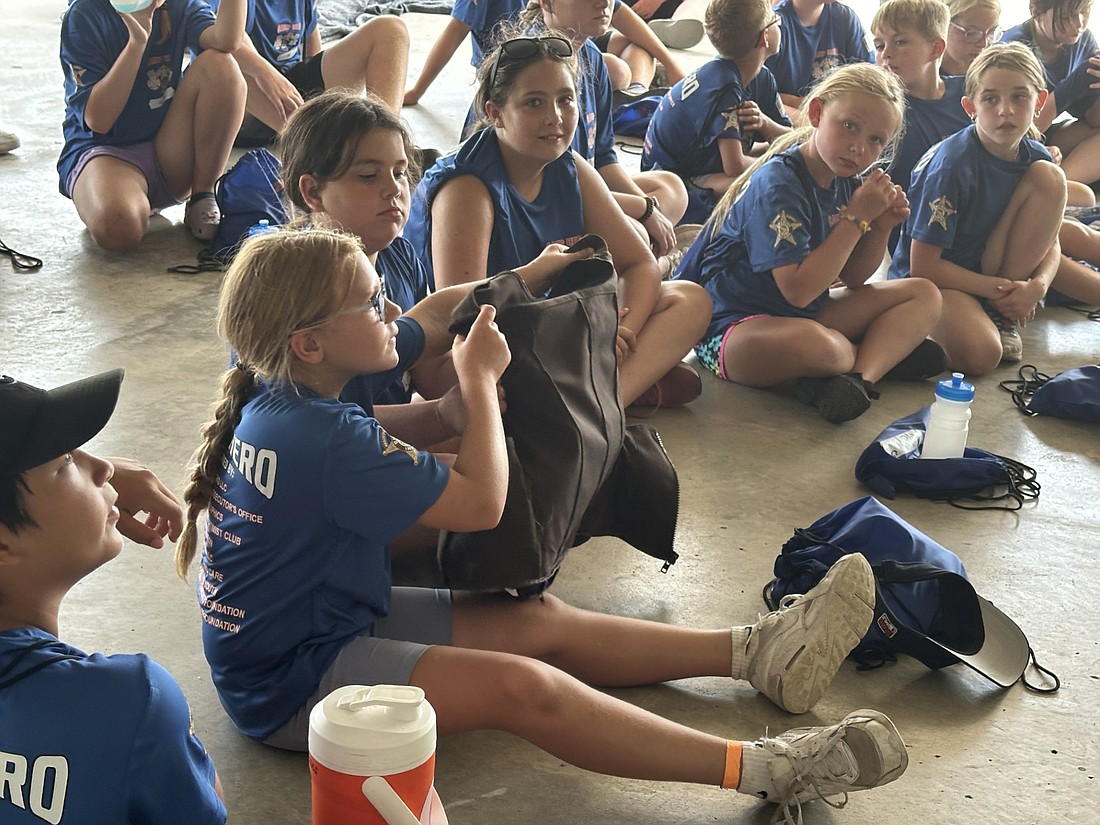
[{"x": 372, "y": 731}]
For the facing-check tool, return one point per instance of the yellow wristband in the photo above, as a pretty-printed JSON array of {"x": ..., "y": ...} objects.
[{"x": 864, "y": 226}]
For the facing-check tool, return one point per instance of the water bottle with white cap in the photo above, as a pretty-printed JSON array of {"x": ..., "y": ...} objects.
[{"x": 949, "y": 419}]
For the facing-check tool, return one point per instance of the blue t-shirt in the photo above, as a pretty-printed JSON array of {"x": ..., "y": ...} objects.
[
  {"x": 957, "y": 194},
  {"x": 1067, "y": 76},
  {"x": 700, "y": 110},
  {"x": 279, "y": 28},
  {"x": 521, "y": 228},
  {"x": 779, "y": 219},
  {"x": 807, "y": 53},
  {"x": 483, "y": 17},
  {"x": 927, "y": 122},
  {"x": 295, "y": 563},
  {"x": 93, "y": 739},
  {"x": 594, "y": 140},
  {"x": 393, "y": 386},
  {"x": 92, "y": 38}
]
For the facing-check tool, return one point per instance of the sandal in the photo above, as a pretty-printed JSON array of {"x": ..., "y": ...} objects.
[{"x": 202, "y": 216}]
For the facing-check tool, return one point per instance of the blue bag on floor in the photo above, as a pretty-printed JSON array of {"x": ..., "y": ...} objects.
[
  {"x": 1073, "y": 394},
  {"x": 979, "y": 480},
  {"x": 925, "y": 605},
  {"x": 632, "y": 119}
]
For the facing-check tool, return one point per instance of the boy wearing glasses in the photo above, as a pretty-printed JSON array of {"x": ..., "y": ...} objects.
[
  {"x": 818, "y": 35},
  {"x": 84, "y": 738},
  {"x": 706, "y": 127}
]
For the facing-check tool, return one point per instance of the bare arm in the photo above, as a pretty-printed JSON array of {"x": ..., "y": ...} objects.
[
  {"x": 273, "y": 85},
  {"x": 462, "y": 226},
  {"x": 109, "y": 96},
  {"x": 442, "y": 51},
  {"x": 475, "y": 493},
  {"x": 227, "y": 33},
  {"x": 801, "y": 283},
  {"x": 639, "y": 276},
  {"x": 868, "y": 255},
  {"x": 926, "y": 261},
  {"x": 627, "y": 22}
]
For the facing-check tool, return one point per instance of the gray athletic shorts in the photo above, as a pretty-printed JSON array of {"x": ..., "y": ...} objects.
[{"x": 419, "y": 617}]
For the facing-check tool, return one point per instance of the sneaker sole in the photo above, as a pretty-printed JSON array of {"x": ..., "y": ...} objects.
[
  {"x": 833, "y": 625},
  {"x": 681, "y": 33},
  {"x": 839, "y": 402}
]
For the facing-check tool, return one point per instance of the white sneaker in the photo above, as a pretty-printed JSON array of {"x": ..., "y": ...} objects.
[
  {"x": 792, "y": 654},
  {"x": 8, "y": 142},
  {"x": 1012, "y": 345},
  {"x": 863, "y": 751},
  {"x": 681, "y": 33}
]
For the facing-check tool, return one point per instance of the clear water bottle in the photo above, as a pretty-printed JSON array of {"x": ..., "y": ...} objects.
[{"x": 949, "y": 419}]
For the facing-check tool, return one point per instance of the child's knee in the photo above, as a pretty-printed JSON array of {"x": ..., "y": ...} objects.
[
  {"x": 216, "y": 70},
  {"x": 531, "y": 687},
  {"x": 1046, "y": 179},
  {"x": 926, "y": 295},
  {"x": 120, "y": 229},
  {"x": 690, "y": 302},
  {"x": 387, "y": 29}
]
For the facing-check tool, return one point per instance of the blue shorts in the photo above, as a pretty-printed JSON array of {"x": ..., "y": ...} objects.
[
  {"x": 419, "y": 617},
  {"x": 141, "y": 155}
]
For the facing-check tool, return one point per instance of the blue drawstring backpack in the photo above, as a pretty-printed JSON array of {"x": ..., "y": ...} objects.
[
  {"x": 247, "y": 195},
  {"x": 979, "y": 480},
  {"x": 632, "y": 119},
  {"x": 1073, "y": 394},
  {"x": 925, "y": 605}
]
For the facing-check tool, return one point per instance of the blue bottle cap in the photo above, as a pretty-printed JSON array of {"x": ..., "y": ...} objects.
[{"x": 955, "y": 389}]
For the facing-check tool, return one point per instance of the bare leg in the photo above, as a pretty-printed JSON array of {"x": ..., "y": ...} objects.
[
  {"x": 1029, "y": 225},
  {"x": 764, "y": 352},
  {"x": 1080, "y": 145},
  {"x": 112, "y": 199},
  {"x": 966, "y": 333},
  {"x": 194, "y": 141},
  {"x": 374, "y": 56},
  {"x": 888, "y": 320},
  {"x": 642, "y": 64},
  {"x": 674, "y": 326},
  {"x": 476, "y": 690},
  {"x": 618, "y": 72},
  {"x": 1078, "y": 281}
]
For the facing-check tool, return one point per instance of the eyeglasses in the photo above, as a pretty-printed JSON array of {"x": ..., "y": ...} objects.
[
  {"x": 778, "y": 21},
  {"x": 972, "y": 34},
  {"x": 521, "y": 48},
  {"x": 377, "y": 302}
]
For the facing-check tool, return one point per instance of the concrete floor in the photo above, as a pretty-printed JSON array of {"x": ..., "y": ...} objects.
[{"x": 753, "y": 466}]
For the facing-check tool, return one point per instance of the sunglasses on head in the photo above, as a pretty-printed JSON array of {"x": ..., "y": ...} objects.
[{"x": 522, "y": 48}]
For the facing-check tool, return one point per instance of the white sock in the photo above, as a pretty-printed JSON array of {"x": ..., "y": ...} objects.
[
  {"x": 756, "y": 774},
  {"x": 739, "y": 640}
]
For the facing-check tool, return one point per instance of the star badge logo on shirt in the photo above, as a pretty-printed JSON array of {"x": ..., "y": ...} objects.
[
  {"x": 941, "y": 210},
  {"x": 731, "y": 119},
  {"x": 392, "y": 445},
  {"x": 784, "y": 226},
  {"x": 78, "y": 74}
]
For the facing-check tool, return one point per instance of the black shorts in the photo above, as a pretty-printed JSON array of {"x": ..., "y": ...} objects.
[{"x": 307, "y": 79}]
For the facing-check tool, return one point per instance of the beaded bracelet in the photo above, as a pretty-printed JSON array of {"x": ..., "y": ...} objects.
[
  {"x": 650, "y": 206},
  {"x": 864, "y": 226}
]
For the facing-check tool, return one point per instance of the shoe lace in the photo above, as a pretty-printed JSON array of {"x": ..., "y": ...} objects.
[{"x": 816, "y": 756}]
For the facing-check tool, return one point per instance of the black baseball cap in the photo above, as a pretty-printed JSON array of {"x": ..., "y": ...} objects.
[{"x": 37, "y": 425}]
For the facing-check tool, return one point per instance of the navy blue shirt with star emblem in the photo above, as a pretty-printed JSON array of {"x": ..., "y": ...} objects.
[
  {"x": 295, "y": 560},
  {"x": 699, "y": 111},
  {"x": 957, "y": 194},
  {"x": 780, "y": 218}
]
